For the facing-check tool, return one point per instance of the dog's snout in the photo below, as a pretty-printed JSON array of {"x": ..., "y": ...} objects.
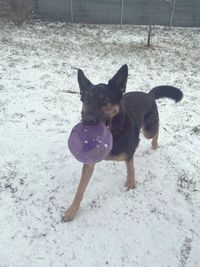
[{"x": 89, "y": 120}]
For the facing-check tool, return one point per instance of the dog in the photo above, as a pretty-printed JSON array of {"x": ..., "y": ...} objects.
[{"x": 125, "y": 114}]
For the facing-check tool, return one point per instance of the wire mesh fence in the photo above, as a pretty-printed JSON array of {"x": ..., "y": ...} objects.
[{"x": 166, "y": 12}]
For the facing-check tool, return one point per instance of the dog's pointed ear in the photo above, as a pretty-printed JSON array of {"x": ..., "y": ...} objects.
[
  {"x": 118, "y": 82},
  {"x": 84, "y": 83}
]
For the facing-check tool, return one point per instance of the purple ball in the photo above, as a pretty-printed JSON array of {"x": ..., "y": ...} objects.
[{"x": 90, "y": 144}]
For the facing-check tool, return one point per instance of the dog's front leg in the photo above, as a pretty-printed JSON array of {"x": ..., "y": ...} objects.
[
  {"x": 130, "y": 182},
  {"x": 87, "y": 172}
]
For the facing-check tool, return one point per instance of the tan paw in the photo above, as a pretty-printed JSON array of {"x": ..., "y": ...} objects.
[
  {"x": 154, "y": 145},
  {"x": 69, "y": 214},
  {"x": 130, "y": 184}
]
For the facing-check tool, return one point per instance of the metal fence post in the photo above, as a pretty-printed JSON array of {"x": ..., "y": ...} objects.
[
  {"x": 172, "y": 14},
  {"x": 72, "y": 12},
  {"x": 122, "y": 12}
]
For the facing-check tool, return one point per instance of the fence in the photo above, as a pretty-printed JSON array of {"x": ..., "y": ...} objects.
[{"x": 166, "y": 12}]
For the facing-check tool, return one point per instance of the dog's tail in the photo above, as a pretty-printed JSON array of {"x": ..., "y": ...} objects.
[{"x": 166, "y": 91}]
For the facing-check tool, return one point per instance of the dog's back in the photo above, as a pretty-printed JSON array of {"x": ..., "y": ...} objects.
[
  {"x": 138, "y": 105},
  {"x": 139, "y": 110}
]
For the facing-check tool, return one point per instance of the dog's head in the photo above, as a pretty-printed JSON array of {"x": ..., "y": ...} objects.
[{"x": 101, "y": 101}]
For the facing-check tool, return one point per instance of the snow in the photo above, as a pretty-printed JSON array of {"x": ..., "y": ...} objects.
[{"x": 157, "y": 224}]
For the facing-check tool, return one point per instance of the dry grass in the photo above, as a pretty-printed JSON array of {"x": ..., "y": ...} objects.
[{"x": 19, "y": 12}]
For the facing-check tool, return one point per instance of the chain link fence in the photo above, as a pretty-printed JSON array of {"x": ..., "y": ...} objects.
[{"x": 166, "y": 12}]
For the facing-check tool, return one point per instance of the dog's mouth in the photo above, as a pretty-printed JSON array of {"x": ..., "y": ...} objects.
[
  {"x": 89, "y": 122},
  {"x": 92, "y": 121}
]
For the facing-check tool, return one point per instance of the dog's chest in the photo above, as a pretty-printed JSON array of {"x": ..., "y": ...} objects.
[{"x": 123, "y": 136}]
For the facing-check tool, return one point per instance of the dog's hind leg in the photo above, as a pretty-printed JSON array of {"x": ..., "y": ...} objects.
[
  {"x": 152, "y": 135},
  {"x": 87, "y": 172},
  {"x": 150, "y": 127},
  {"x": 154, "y": 142},
  {"x": 130, "y": 182}
]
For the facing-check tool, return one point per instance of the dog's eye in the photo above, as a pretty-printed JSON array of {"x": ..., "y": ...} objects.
[
  {"x": 107, "y": 108},
  {"x": 104, "y": 101},
  {"x": 86, "y": 99}
]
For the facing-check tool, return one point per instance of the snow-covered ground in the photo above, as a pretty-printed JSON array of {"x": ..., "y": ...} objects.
[{"x": 157, "y": 224}]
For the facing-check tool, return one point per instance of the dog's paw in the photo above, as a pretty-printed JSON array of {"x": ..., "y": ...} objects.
[
  {"x": 130, "y": 184},
  {"x": 154, "y": 145},
  {"x": 69, "y": 214}
]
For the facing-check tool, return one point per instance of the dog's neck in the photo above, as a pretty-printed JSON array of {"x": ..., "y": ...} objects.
[{"x": 117, "y": 120}]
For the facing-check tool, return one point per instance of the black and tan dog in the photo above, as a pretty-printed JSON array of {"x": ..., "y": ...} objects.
[{"x": 125, "y": 115}]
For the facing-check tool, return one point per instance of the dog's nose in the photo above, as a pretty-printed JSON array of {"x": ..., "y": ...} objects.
[{"x": 89, "y": 120}]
